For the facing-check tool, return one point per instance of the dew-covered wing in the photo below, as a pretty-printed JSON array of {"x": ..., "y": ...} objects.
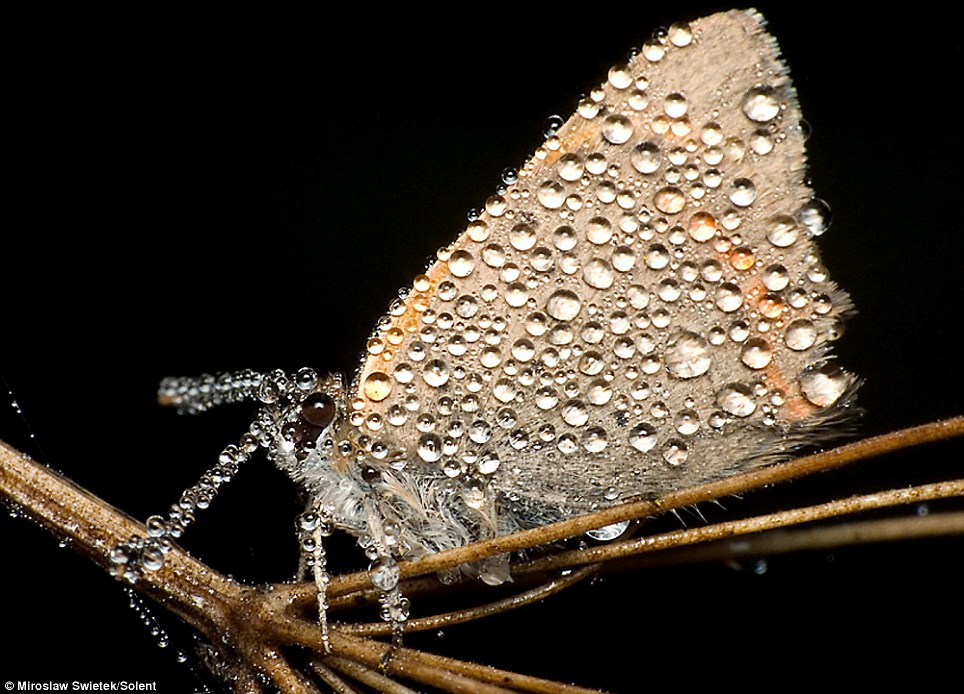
[{"x": 643, "y": 309}]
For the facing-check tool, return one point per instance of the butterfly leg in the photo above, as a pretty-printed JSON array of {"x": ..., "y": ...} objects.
[{"x": 313, "y": 526}]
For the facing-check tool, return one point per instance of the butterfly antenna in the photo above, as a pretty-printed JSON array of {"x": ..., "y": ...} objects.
[{"x": 192, "y": 395}]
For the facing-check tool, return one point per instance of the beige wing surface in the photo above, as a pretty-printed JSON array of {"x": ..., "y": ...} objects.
[{"x": 643, "y": 309}]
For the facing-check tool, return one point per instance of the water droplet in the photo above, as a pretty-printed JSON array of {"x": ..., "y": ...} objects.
[
  {"x": 594, "y": 440},
  {"x": 675, "y": 105},
  {"x": 679, "y": 34},
  {"x": 598, "y": 274},
  {"x": 642, "y": 437},
  {"x": 824, "y": 383},
  {"x": 461, "y": 263},
  {"x": 776, "y": 278},
  {"x": 669, "y": 200},
  {"x": 761, "y": 142},
  {"x": 687, "y": 355},
  {"x": 702, "y": 227},
  {"x": 384, "y": 573},
  {"x": 552, "y": 195},
  {"x": 782, "y": 230},
  {"x": 756, "y": 353},
  {"x": 742, "y": 192},
  {"x": 617, "y": 129},
  {"x": 675, "y": 453},
  {"x": 760, "y": 104},
  {"x": 599, "y": 230},
  {"x": 800, "y": 335},
  {"x": 563, "y": 305},
  {"x": 435, "y": 373},
  {"x": 575, "y": 413},
  {"x": 599, "y": 392},
  {"x": 729, "y": 297},
  {"x": 624, "y": 259},
  {"x": 815, "y": 216},
  {"x": 645, "y": 157},
  {"x": 620, "y": 76},
  {"x": 430, "y": 448},
  {"x": 570, "y": 167},
  {"x": 653, "y": 51},
  {"x": 736, "y": 399},
  {"x": 688, "y": 422},
  {"x": 156, "y": 526},
  {"x": 377, "y": 386},
  {"x": 610, "y": 532}
]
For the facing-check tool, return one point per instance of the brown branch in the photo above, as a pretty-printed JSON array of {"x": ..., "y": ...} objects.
[
  {"x": 746, "y": 526},
  {"x": 252, "y": 628},
  {"x": 448, "y": 619}
]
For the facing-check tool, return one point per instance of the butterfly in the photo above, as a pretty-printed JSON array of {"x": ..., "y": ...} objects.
[{"x": 314, "y": 361}]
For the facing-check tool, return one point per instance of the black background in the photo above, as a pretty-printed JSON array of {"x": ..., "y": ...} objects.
[{"x": 193, "y": 194}]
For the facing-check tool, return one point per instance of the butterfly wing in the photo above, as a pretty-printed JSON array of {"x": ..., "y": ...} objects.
[{"x": 642, "y": 310}]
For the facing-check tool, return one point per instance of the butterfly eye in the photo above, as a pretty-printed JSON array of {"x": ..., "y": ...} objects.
[{"x": 318, "y": 410}]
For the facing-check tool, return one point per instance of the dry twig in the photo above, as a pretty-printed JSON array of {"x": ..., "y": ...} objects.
[{"x": 264, "y": 635}]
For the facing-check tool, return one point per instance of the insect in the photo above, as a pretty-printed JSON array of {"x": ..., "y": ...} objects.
[
  {"x": 313, "y": 359},
  {"x": 638, "y": 309}
]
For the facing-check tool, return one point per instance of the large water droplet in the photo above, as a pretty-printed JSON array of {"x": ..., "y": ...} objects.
[
  {"x": 377, "y": 386},
  {"x": 736, "y": 399},
  {"x": 563, "y": 305},
  {"x": 575, "y": 413},
  {"x": 598, "y": 230},
  {"x": 669, "y": 200},
  {"x": 620, "y": 76},
  {"x": 675, "y": 453},
  {"x": 823, "y": 384},
  {"x": 675, "y": 105},
  {"x": 760, "y": 104},
  {"x": 800, "y": 335},
  {"x": 617, "y": 129},
  {"x": 688, "y": 355},
  {"x": 756, "y": 353},
  {"x": 461, "y": 263},
  {"x": 815, "y": 216},
  {"x": 624, "y": 259},
  {"x": 598, "y": 274},
  {"x": 642, "y": 437},
  {"x": 742, "y": 192},
  {"x": 594, "y": 440},
  {"x": 781, "y": 230},
  {"x": 702, "y": 226},
  {"x": 429, "y": 448},
  {"x": 570, "y": 167},
  {"x": 680, "y": 34},
  {"x": 729, "y": 297},
  {"x": 435, "y": 373},
  {"x": 599, "y": 392},
  {"x": 645, "y": 157},
  {"x": 552, "y": 195},
  {"x": 384, "y": 573}
]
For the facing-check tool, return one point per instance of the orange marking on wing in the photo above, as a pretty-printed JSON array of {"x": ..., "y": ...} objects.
[{"x": 795, "y": 406}]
